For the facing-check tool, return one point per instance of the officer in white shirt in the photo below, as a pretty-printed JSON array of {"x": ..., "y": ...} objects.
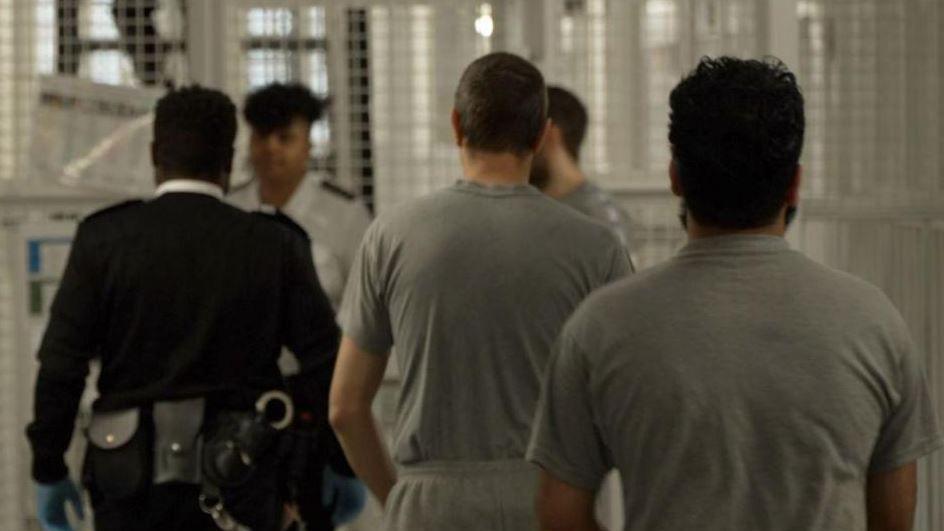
[{"x": 281, "y": 116}]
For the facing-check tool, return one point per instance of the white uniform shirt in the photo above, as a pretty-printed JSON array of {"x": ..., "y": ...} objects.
[{"x": 334, "y": 223}]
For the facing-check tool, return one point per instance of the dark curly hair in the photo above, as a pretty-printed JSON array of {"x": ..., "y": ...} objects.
[
  {"x": 194, "y": 131},
  {"x": 502, "y": 104},
  {"x": 736, "y": 129},
  {"x": 275, "y": 106}
]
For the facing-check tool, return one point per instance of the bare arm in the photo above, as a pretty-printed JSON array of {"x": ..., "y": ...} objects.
[
  {"x": 357, "y": 377},
  {"x": 891, "y": 497},
  {"x": 563, "y": 507}
]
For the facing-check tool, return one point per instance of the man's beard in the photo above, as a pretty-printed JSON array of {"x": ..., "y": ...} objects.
[{"x": 540, "y": 175}]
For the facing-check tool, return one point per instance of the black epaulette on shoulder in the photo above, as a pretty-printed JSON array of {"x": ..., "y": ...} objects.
[
  {"x": 113, "y": 208},
  {"x": 281, "y": 218},
  {"x": 337, "y": 190}
]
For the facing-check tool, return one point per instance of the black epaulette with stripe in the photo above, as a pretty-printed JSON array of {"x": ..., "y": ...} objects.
[{"x": 337, "y": 190}]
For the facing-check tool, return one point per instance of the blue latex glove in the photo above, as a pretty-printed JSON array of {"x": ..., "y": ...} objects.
[
  {"x": 51, "y": 499},
  {"x": 348, "y": 494}
]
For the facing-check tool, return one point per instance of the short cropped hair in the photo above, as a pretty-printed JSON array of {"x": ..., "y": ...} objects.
[
  {"x": 194, "y": 131},
  {"x": 274, "y": 106},
  {"x": 570, "y": 116},
  {"x": 502, "y": 104},
  {"x": 736, "y": 130}
]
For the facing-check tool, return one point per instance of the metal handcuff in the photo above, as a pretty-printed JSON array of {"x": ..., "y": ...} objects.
[{"x": 213, "y": 504}]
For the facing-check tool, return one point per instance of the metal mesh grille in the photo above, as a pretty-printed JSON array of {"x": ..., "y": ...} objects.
[
  {"x": 120, "y": 42},
  {"x": 872, "y": 77},
  {"x": 871, "y": 73}
]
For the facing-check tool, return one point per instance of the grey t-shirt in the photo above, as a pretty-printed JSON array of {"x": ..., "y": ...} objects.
[
  {"x": 738, "y": 386},
  {"x": 592, "y": 201},
  {"x": 472, "y": 284}
]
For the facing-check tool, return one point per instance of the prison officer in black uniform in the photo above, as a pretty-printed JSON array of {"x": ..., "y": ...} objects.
[{"x": 179, "y": 296}]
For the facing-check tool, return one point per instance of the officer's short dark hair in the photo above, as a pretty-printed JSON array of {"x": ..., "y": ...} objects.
[
  {"x": 736, "y": 130},
  {"x": 275, "y": 106},
  {"x": 502, "y": 104},
  {"x": 570, "y": 116},
  {"x": 194, "y": 131}
]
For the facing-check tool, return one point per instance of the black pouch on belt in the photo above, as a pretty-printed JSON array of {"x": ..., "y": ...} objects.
[
  {"x": 177, "y": 441},
  {"x": 118, "y": 461}
]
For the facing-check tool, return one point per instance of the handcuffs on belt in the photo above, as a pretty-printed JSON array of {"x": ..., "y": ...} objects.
[{"x": 229, "y": 457}]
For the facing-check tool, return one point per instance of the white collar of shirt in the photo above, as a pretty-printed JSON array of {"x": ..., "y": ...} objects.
[
  {"x": 191, "y": 186},
  {"x": 298, "y": 205}
]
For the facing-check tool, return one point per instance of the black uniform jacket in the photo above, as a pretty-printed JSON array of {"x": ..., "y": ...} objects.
[{"x": 179, "y": 296}]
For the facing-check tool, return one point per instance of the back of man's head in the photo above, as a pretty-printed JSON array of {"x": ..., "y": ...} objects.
[
  {"x": 570, "y": 116},
  {"x": 502, "y": 104},
  {"x": 736, "y": 129},
  {"x": 194, "y": 131},
  {"x": 275, "y": 106}
]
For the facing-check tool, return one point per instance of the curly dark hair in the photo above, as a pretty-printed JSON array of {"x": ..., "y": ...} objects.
[
  {"x": 194, "y": 131},
  {"x": 275, "y": 106},
  {"x": 736, "y": 128},
  {"x": 502, "y": 104}
]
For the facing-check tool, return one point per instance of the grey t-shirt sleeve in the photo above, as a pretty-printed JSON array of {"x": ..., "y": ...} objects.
[
  {"x": 621, "y": 265},
  {"x": 358, "y": 219},
  {"x": 364, "y": 314},
  {"x": 565, "y": 440},
  {"x": 911, "y": 430}
]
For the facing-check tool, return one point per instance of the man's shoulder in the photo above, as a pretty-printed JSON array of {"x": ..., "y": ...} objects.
[
  {"x": 333, "y": 194},
  {"x": 597, "y": 203},
  {"x": 112, "y": 210},
  {"x": 336, "y": 191},
  {"x": 584, "y": 230},
  {"x": 262, "y": 225},
  {"x": 332, "y": 201},
  {"x": 415, "y": 209},
  {"x": 280, "y": 219},
  {"x": 113, "y": 216},
  {"x": 862, "y": 301}
]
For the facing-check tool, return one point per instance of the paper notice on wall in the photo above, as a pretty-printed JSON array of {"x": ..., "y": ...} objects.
[{"x": 94, "y": 136}]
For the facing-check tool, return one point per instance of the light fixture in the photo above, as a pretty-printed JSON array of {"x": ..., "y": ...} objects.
[{"x": 484, "y": 24}]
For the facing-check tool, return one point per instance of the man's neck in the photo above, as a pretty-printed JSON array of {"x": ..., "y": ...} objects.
[
  {"x": 278, "y": 193},
  {"x": 495, "y": 168},
  {"x": 697, "y": 232},
  {"x": 564, "y": 176},
  {"x": 161, "y": 177}
]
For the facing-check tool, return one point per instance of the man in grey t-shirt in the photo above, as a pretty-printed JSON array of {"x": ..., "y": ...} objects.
[
  {"x": 740, "y": 385},
  {"x": 556, "y": 170},
  {"x": 471, "y": 285}
]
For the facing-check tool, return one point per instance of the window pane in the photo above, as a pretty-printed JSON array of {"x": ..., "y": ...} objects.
[
  {"x": 45, "y": 36},
  {"x": 108, "y": 66},
  {"x": 316, "y": 22},
  {"x": 269, "y": 22},
  {"x": 318, "y": 72},
  {"x": 268, "y": 66},
  {"x": 98, "y": 23}
]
